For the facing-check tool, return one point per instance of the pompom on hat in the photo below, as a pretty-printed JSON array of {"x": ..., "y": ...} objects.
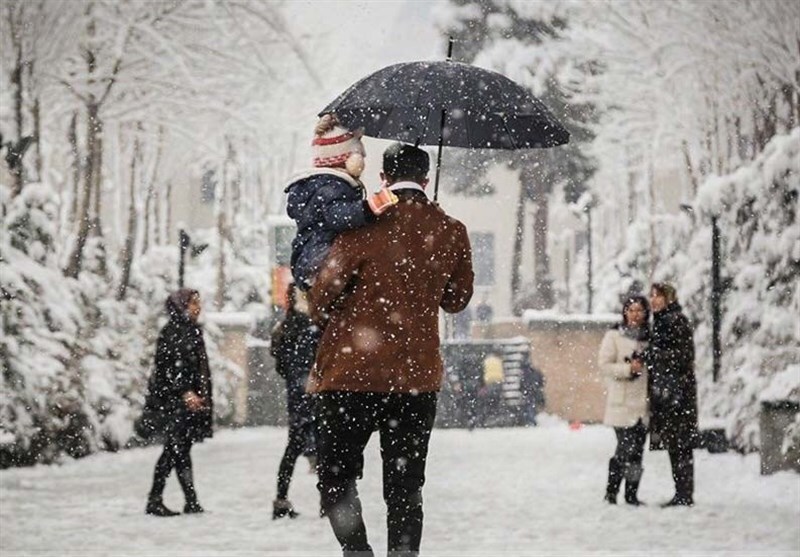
[{"x": 335, "y": 146}]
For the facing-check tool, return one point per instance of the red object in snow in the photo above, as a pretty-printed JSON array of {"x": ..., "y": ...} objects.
[{"x": 575, "y": 426}]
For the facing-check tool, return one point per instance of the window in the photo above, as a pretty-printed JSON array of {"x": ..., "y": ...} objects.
[{"x": 483, "y": 257}]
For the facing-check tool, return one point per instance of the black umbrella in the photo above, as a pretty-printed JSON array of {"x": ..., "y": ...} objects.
[{"x": 447, "y": 103}]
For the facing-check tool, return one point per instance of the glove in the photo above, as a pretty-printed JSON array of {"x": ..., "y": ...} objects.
[{"x": 382, "y": 200}]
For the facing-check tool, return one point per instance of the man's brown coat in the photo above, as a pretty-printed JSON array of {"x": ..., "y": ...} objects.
[{"x": 379, "y": 294}]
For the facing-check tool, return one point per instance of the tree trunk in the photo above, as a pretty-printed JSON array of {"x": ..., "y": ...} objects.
[
  {"x": 219, "y": 300},
  {"x": 168, "y": 211},
  {"x": 757, "y": 140},
  {"x": 36, "y": 112},
  {"x": 631, "y": 188},
  {"x": 159, "y": 221},
  {"x": 150, "y": 191},
  {"x": 797, "y": 96},
  {"x": 37, "y": 130},
  {"x": 18, "y": 171},
  {"x": 75, "y": 263},
  {"x": 234, "y": 177},
  {"x": 72, "y": 138},
  {"x": 516, "y": 254},
  {"x": 687, "y": 160},
  {"x": 97, "y": 162},
  {"x": 130, "y": 239},
  {"x": 728, "y": 145},
  {"x": 541, "y": 262},
  {"x": 146, "y": 225}
]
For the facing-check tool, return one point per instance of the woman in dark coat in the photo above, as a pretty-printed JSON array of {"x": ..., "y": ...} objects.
[
  {"x": 294, "y": 346},
  {"x": 180, "y": 389},
  {"x": 672, "y": 389}
]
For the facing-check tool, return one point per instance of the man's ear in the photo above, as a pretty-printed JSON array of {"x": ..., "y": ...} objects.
[
  {"x": 383, "y": 177},
  {"x": 425, "y": 182}
]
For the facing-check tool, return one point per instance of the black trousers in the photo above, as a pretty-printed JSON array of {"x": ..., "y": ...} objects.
[
  {"x": 176, "y": 455},
  {"x": 630, "y": 444},
  {"x": 682, "y": 460},
  {"x": 345, "y": 421},
  {"x": 301, "y": 441},
  {"x": 626, "y": 464}
]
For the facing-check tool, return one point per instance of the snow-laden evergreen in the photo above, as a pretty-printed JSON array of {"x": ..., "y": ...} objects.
[
  {"x": 757, "y": 211},
  {"x": 75, "y": 360},
  {"x": 687, "y": 103},
  {"x": 125, "y": 107}
]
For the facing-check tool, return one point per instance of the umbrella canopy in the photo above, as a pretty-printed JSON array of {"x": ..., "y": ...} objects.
[{"x": 448, "y": 103}]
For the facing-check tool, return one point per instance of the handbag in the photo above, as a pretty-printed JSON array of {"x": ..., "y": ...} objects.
[{"x": 151, "y": 422}]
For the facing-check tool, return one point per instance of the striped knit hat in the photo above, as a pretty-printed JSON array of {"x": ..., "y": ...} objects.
[{"x": 335, "y": 146}]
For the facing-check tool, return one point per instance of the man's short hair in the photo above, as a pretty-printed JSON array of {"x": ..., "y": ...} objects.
[
  {"x": 402, "y": 162},
  {"x": 667, "y": 290}
]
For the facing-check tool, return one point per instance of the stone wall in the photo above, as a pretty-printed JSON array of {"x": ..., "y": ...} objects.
[
  {"x": 565, "y": 349},
  {"x": 233, "y": 346}
]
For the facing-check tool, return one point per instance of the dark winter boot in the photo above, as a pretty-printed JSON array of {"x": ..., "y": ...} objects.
[
  {"x": 633, "y": 475},
  {"x": 155, "y": 503},
  {"x": 193, "y": 508},
  {"x": 186, "y": 479},
  {"x": 679, "y": 501},
  {"x": 281, "y": 508},
  {"x": 683, "y": 474},
  {"x": 614, "y": 481},
  {"x": 155, "y": 507}
]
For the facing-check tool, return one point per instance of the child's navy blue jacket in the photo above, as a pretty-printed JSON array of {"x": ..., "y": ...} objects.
[{"x": 323, "y": 203}]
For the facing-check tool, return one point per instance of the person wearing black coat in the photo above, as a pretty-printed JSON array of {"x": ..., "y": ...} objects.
[
  {"x": 294, "y": 347},
  {"x": 531, "y": 386},
  {"x": 672, "y": 389},
  {"x": 180, "y": 390}
]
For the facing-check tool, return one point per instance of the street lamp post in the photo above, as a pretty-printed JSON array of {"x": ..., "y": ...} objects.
[
  {"x": 589, "y": 289},
  {"x": 716, "y": 295},
  {"x": 585, "y": 204},
  {"x": 183, "y": 242}
]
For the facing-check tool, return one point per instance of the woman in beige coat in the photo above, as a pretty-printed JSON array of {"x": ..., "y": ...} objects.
[{"x": 626, "y": 406}]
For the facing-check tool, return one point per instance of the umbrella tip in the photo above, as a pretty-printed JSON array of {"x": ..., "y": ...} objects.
[{"x": 450, "y": 42}]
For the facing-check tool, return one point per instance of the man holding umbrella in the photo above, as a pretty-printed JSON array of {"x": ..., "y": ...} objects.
[{"x": 378, "y": 365}]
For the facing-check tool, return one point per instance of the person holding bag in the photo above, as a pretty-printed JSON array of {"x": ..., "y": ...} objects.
[
  {"x": 179, "y": 404},
  {"x": 621, "y": 363}
]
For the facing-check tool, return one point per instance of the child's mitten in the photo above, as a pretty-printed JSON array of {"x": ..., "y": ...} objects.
[{"x": 382, "y": 200}]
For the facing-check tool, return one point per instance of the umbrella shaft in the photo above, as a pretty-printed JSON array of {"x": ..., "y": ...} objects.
[{"x": 439, "y": 155}]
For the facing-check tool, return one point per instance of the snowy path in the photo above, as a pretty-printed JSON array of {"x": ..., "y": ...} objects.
[{"x": 511, "y": 492}]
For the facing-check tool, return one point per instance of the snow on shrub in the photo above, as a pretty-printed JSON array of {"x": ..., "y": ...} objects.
[
  {"x": 757, "y": 211},
  {"x": 75, "y": 360}
]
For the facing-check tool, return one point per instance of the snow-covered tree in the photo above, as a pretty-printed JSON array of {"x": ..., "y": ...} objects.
[
  {"x": 124, "y": 98},
  {"x": 524, "y": 41}
]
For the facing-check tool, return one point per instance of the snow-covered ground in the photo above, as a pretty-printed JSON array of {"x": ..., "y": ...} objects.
[{"x": 490, "y": 493}]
